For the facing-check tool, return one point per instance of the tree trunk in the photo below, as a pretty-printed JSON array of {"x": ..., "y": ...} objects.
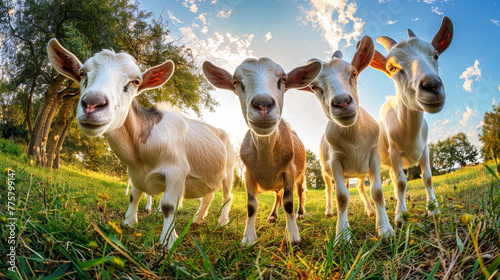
[
  {"x": 55, "y": 164},
  {"x": 30, "y": 101},
  {"x": 59, "y": 128}
]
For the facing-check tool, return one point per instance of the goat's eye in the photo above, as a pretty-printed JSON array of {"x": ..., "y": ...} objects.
[
  {"x": 283, "y": 79},
  {"x": 313, "y": 87},
  {"x": 82, "y": 74},
  {"x": 354, "y": 74},
  {"x": 392, "y": 68},
  {"x": 236, "y": 82},
  {"x": 436, "y": 56},
  {"x": 137, "y": 82}
]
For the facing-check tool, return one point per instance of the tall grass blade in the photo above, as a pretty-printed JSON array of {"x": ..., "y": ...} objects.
[
  {"x": 174, "y": 246},
  {"x": 206, "y": 262}
]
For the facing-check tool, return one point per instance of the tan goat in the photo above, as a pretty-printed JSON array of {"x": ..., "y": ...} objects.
[{"x": 273, "y": 155}]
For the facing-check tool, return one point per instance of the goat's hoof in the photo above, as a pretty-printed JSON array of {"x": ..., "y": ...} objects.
[
  {"x": 300, "y": 217},
  {"x": 386, "y": 233},
  {"x": 129, "y": 223},
  {"x": 222, "y": 222},
  {"x": 272, "y": 219},
  {"x": 329, "y": 215},
  {"x": 248, "y": 241},
  {"x": 370, "y": 213}
]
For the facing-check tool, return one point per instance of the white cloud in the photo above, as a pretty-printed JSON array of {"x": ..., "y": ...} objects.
[
  {"x": 415, "y": 19},
  {"x": 468, "y": 74},
  {"x": 195, "y": 25},
  {"x": 391, "y": 22},
  {"x": 223, "y": 14},
  {"x": 437, "y": 11},
  {"x": 499, "y": 87},
  {"x": 204, "y": 30},
  {"x": 495, "y": 22},
  {"x": 194, "y": 8},
  {"x": 268, "y": 36},
  {"x": 335, "y": 19},
  {"x": 429, "y": 1},
  {"x": 467, "y": 115},
  {"x": 224, "y": 49},
  {"x": 493, "y": 101},
  {"x": 202, "y": 17},
  {"x": 172, "y": 18},
  {"x": 481, "y": 123},
  {"x": 383, "y": 1},
  {"x": 213, "y": 1}
]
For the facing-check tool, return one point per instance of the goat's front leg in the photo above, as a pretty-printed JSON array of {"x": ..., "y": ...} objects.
[
  {"x": 301, "y": 192},
  {"x": 293, "y": 236},
  {"x": 203, "y": 210},
  {"x": 172, "y": 198},
  {"x": 399, "y": 179},
  {"x": 149, "y": 203},
  {"x": 131, "y": 215},
  {"x": 384, "y": 228},
  {"x": 342, "y": 197},
  {"x": 427, "y": 178},
  {"x": 364, "y": 198},
  {"x": 278, "y": 197},
  {"x": 250, "y": 236}
]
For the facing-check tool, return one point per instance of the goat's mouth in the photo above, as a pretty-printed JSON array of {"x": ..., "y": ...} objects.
[
  {"x": 346, "y": 119},
  {"x": 263, "y": 125},
  {"x": 432, "y": 107},
  {"x": 91, "y": 125}
]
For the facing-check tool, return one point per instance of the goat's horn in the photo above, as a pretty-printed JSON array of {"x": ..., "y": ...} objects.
[
  {"x": 386, "y": 42},
  {"x": 410, "y": 33},
  {"x": 313, "y": 60},
  {"x": 337, "y": 54}
]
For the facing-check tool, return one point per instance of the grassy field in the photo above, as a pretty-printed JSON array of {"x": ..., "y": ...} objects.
[{"x": 63, "y": 231}]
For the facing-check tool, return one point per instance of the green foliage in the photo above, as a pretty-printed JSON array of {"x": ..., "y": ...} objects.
[
  {"x": 9, "y": 148},
  {"x": 490, "y": 135},
  {"x": 452, "y": 151},
  {"x": 314, "y": 177}
]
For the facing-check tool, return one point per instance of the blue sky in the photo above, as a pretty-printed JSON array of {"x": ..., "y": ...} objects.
[{"x": 291, "y": 32}]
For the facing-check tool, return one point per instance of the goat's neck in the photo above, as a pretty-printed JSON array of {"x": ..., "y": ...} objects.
[
  {"x": 410, "y": 119},
  {"x": 123, "y": 141},
  {"x": 265, "y": 145}
]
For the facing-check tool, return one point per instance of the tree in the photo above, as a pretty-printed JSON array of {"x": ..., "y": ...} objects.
[
  {"x": 447, "y": 153},
  {"x": 490, "y": 135},
  {"x": 85, "y": 27},
  {"x": 464, "y": 151},
  {"x": 314, "y": 178}
]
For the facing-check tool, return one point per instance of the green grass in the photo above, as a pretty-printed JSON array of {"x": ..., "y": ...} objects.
[{"x": 59, "y": 216}]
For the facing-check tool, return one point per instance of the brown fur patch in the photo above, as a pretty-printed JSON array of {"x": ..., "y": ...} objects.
[
  {"x": 342, "y": 202},
  {"x": 378, "y": 197},
  {"x": 167, "y": 210},
  {"x": 146, "y": 119}
]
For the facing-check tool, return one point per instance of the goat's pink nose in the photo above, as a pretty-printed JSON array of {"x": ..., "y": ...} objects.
[
  {"x": 93, "y": 102},
  {"x": 341, "y": 101}
]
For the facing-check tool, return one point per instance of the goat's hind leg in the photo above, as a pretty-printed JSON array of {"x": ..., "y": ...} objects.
[
  {"x": 278, "y": 197},
  {"x": 227, "y": 197},
  {"x": 427, "y": 178},
  {"x": 203, "y": 210},
  {"x": 301, "y": 192},
  {"x": 131, "y": 215},
  {"x": 364, "y": 198}
]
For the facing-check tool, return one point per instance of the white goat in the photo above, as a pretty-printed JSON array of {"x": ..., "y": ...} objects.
[
  {"x": 273, "y": 155},
  {"x": 164, "y": 151},
  {"x": 348, "y": 148},
  {"x": 413, "y": 66}
]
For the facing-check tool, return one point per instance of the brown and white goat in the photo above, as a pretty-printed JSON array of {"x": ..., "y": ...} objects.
[
  {"x": 348, "y": 148},
  {"x": 413, "y": 66},
  {"x": 163, "y": 150},
  {"x": 273, "y": 155}
]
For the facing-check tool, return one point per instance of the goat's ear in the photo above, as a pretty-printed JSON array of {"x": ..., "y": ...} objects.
[
  {"x": 443, "y": 37},
  {"x": 63, "y": 60},
  {"x": 379, "y": 62},
  {"x": 157, "y": 76},
  {"x": 365, "y": 49},
  {"x": 301, "y": 77},
  {"x": 218, "y": 77}
]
